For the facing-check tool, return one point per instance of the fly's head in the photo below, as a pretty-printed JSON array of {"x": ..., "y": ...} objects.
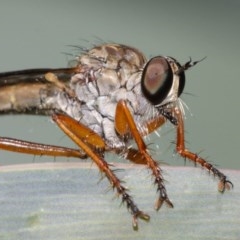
[{"x": 163, "y": 81}]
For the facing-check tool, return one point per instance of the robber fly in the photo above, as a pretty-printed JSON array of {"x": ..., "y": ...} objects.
[{"x": 112, "y": 96}]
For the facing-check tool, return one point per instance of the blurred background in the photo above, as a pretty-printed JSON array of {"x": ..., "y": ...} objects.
[{"x": 37, "y": 34}]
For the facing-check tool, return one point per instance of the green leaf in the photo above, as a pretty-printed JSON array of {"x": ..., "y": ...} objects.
[{"x": 67, "y": 201}]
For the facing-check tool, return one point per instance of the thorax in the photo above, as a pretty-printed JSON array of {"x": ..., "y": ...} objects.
[{"x": 106, "y": 75}]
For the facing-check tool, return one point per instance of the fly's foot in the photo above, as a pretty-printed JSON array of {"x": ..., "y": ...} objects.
[
  {"x": 159, "y": 202},
  {"x": 139, "y": 214},
  {"x": 224, "y": 184},
  {"x": 163, "y": 197},
  {"x": 133, "y": 209}
]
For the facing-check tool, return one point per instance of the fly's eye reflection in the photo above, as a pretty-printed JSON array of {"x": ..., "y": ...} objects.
[
  {"x": 111, "y": 98},
  {"x": 157, "y": 80}
]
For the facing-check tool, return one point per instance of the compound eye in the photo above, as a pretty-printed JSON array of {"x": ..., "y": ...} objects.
[{"x": 157, "y": 80}]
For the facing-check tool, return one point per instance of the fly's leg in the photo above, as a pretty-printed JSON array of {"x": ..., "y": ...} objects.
[
  {"x": 135, "y": 155},
  {"x": 74, "y": 130},
  {"x": 180, "y": 147},
  {"x": 125, "y": 124},
  {"x": 21, "y": 146},
  {"x": 152, "y": 125}
]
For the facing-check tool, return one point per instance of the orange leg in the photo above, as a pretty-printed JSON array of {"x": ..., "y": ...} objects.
[
  {"x": 124, "y": 125},
  {"x": 21, "y": 146},
  {"x": 180, "y": 147},
  {"x": 154, "y": 124},
  {"x": 135, "y": 155},
  {"x": 74, "y": 130}
]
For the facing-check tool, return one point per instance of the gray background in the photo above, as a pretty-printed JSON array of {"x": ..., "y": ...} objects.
[{"x": 35, "y": 34}]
